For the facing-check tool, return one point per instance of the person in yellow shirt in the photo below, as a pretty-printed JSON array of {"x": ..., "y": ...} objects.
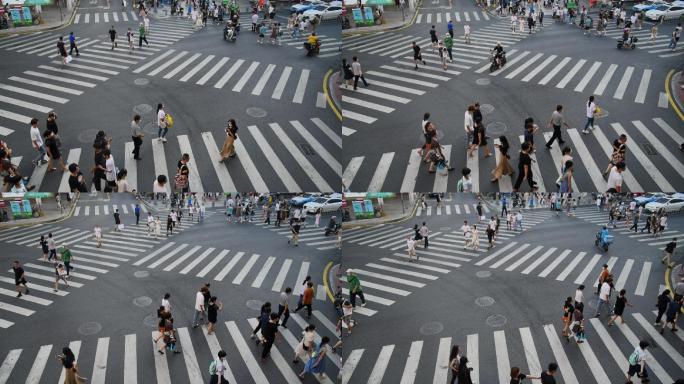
[{"x": 313, "y": 40}]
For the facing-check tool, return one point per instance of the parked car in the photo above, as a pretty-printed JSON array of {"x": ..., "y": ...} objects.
[
  {"x": 299, "y": 201},
  {"x": 668, "y": 12},
  {"x": 648, "y": 5},
  {"x": 305, "y": 5},
  {"x": 326, "y": 12},
  {"x": 668, "y": 204},
  {"x": 326, "y": 204},
  {"x": 648, "y": 197}
]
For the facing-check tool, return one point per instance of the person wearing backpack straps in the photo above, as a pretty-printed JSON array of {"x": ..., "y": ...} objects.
[
  {"x": 637, "y": 363},
  {"x": 217, "y": 368}
]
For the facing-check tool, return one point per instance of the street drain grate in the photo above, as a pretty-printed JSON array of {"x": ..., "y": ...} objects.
[
  {"x": 306, "y": 148},
  {"x": 650, "y": 150}
]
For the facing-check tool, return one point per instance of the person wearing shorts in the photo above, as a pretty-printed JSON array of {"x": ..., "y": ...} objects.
[{"x": 19, "y": 278}]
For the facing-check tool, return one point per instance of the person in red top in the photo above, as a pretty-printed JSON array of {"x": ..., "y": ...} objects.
[{"x": 307, "y": 299}]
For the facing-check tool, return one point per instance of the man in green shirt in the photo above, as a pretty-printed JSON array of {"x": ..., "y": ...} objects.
[
  {"x": 65, "y": 254},
  {"x": 354, "y": 288},
  {"x": 449, "y": 44},
  {"x": 142, "y": 35}
]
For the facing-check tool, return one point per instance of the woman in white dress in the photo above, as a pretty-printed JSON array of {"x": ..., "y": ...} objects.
[
  {"x": 476, "y": 238},
  {"x": 306, "y": 345}
]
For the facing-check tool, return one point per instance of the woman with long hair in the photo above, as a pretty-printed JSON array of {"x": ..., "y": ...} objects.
[
  {"x": 228, "y": 149},
  {"x": 504, "y": 166}
]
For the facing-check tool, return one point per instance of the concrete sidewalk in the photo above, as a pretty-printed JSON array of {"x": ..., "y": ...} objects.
[
  {"x": 53, "y": 18},
  {"x": 394, "y": 210},
  {"x": 392, "y": 19},
  {"x": 51, "y": 214}
]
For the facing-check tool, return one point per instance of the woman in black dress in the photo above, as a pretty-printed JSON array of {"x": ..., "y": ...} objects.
[
  {"x": 212, "y": 313},
  {"x": 464, "y": 372}
]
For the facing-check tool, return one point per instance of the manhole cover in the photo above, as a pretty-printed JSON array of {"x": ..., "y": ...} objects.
[
  {"x": 142, "y": 109},
  {"x": 256, "y": 112},
  {"x": 306, "y": 148},
  {"x": 592, "y": 303},
  {"x": 88, "y": 136},
  {"x": 650, "y": 150},
  {"x": 496, "y": 320},
  {"x": 484, "y": 301},
  {"x": 151, "y": 128},
  {"x": 483, "y": 81},
  {"x": 445, "y": 228},
  {"x": 483, "y": 274},
  {"x": 141, "y": 81},
  {"x": 142, "y": 301},
  {"x": 431, "y": 328},
  {"x": 486, "y": 108},
  {"x": 89, "y": 328},
  {"x": 151, "y": 321},
  {"x": 141, "y": 274},
  {"x": 254, "y": 304},
  {"x": 497, "y": 128}
]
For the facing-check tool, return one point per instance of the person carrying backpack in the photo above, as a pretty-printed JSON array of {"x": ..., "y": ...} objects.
[
  {"x": 637, "y": 363},
  {"x": 217, "y": 368}
]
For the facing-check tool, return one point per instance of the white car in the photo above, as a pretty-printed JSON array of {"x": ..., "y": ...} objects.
[
  {"x": 305, "y": 5},
  {"x": 326, "y": 204},
  {"x": 648, "y": 5},
  {"x": 668, "y": 204},
  {"x": 326, "y": 12},
  {"x": 668, "y": 12}
]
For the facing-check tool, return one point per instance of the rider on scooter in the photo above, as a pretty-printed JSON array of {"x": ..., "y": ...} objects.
[{"x": 498, "y": 53}]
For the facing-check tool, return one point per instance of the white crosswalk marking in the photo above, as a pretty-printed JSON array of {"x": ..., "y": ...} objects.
[
  {"x": 245, "y": 269},
  {"x": 502, "y": 361},
  {"x": 75, "y": 347},
  {"x": 197, "y": 68},
  {"x": 660, "y": 147},
  {"x": 537, "y": 262},
  {"x": 8, "y": 365},
  {"x": 212, "y": 71},
  {"x": 473, "y": 354},
  {"x": 644, "y": 161},
  {"x": 301, "y": 87},
  {"x": 584, "y": 154},
  {"x": 643, "y": 86},
  {"x": 161, "y": 365},
  {"x": 160, "y": 167},
  {"x": 39, "y": 365},
  {"x": 100, "y": 366},
  {"x": 224, "y": 177},
  {"x": 563, "y": 275},
  {"x": 409, "y": 375},
  {"x": 587, "y": 269},
  {"x": 655, "y": 366},
  {"x": 130, "y": 360},
  {"x": 571, "y": 74},
  {"x": 282, "y": 81},
  {"x": 246, "y": 354},
  {"x": 196, "y": 261},
  {"x": 624, "y": 81},
  {"x": 545, "y": 80},
  {"x": 381, "y": 365},
  {"x": 643, "y": 279},
  {"x": 587, "y": 77},
  {"x": 533, "y": 364},
  {"x": 350, "y": 364},
  {"x": 73, "y": 157},
  {"x": 560, "y": 355},
  {"x": 194, "y": 373},
  {"x": 442, "y": 371},
  {"x": 245, "y": 76},
  {"x": 496, "y": 254}
]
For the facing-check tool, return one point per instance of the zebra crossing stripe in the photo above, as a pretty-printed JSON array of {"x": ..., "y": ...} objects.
[
  {"x": 545, "y": 80},
  {"x": 130, "y": 375},
  {"x": 154, "y": 61},
  {"x": 496, "y": 254},
  {"x": 502, "y": 360},
  {"x": 571, "y": 74},
  {"x": 608, "y": 341},
  {"x": 224, "y": 177},
  {"x": 250, "y": 168},
  {"x": 159, "y": 155},
  {"x": 282, "y": 274},
  {"x": 662, "y": 149},
  {"x": 381, "y": 364},
  {"x": 643, "y": 86},
  {"x": 662, "y": 342},
  {"x": 645, "y": 162},
  {"x": 587, "y": 269},
  {"x": 473, "y": 356},
  {"x": 442, "y": 371},
  {"x": 606, "y": 145},
  {"x": 213, "y": 263},
  {"x": 301, "y": 88},
  {"x": 197, "y": 68},
  {"x": 440, "y": 184},
  {"x": 350, "y": 364},
  {"x": 559, "y": 353},
  {"x": 531, "y": 356},
  {"x": 587, "y": 77},
  {"x": 39, "y": 365},
  {"x": 100, "y": 366},
  {"x": 196, "y": 261},
  {"x": 303, "y": 272},
  {"x": 246, "y": 268},
  {"x": 537, "y": 262},
  {"x": 245, "y": 353},
  {"x": 563, "y": 275},
  {"x": 643, "y": 279},
  {"x": 509, "y": 256},
  {"x": 75, "y": 347},
  {"x": 322, "y": 151},
  {"x": 624, "y": 81},
  {"x": 161, "y": 365},
  {"x": 524, "y": 66},
  {"x": 154, "y": 254},
  {"x": 194, "y": 372},
  {"x": 593, "y": 362},
  {"x": 8, "y": 365},
  {"x": 583, "y": 152},
  {"x": 181, "y": 259},
  {"x": 195, "y": 183},
  {"x": 131, "y": 166},
  {"x": 624, "y": 274}
]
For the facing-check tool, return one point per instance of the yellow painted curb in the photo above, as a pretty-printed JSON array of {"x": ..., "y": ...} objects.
[
  {"x": 325, "y": 281},
  {"x": 328, "y": 98},
  {"x": 669, "y": 95}
]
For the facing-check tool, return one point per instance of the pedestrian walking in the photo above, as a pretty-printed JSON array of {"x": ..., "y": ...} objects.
[
  {"x": 19, "y": 278},
  {"x": 661, "y": 303},
  {"x": 268, "y": 335},
  {"x": 142, "y": 35},
  {"x": 417, "y": 56},
  {"x": 228, "y": 148},
  {"x": 264, "y": 316},
  {"x": 306, "y": 299},
  {"x": 619, "y": 308},
  {"x": 669, "y": 251},
  {"x": 61, "y": 49},
  {"x": 577, "y": 326},
  {"x": 475, "y": 242},
  {"x": 136, "y": 211},
  {"x": 212, "y": 313},
  {"x": 60, "y": 275},
  {"x": 591, "y": 110},
  {"x": 672, "y": 313},
  {"x": 603, "y": 276},
  {"x": 568, "y": 310},
  {"x": 52, "y": 247},
  {"x": 464, "y": 371},
  {"x": 547, "y": 377},
  {"x": 199, "y": 307},
  {"x": 424, "y": 234},
  {"x": 467, "y": 234},
  {"x": 306, "y": 345},
  {"x": 358, "y": 73},
  {"x": 217, "y": 369},
  {"x": 129, "y": 37},
  {"x": 97, "y": 231},
  {"x": 166, "y": 303},
  {"x": 316, "y": 363},
  {"x": 525, "y": 168},
  {"x": 579, "y": 295},
  {"x": 556, "y": 122},
  {"x": 71, "y": 373},
  {"x": 517, "y": 377},
  {"x": 66, "y": 257},
  {"x": 604, "y": 295},
  {"x": 37, "y": 142},
  {"x": 295, "y": 227},
  {"x": 466, "y": 33},
  {"x": 518, "y": 221},
  {"x": 157, "y": 228},
  {"x": 72, "y": 44},
  {"x": 117, "y": 221},
  {"x": 410, "y": 248},
  {"x": 354, "y": 286},
  {"x": 284, "y": 306},
  {"x": 44, "y": 247},
  {"x": 137, "y": 134},
  {"x": 490, "y": 230},
  {"x": 112, "y": 37},
  {"x": 637, "y": 363}
]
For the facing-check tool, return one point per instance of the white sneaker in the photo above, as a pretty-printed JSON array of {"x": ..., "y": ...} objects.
[
  {"x": 363, "y": 304},
  {"x": 164, "y": 139},
  {"x": 585, "y": 131}
]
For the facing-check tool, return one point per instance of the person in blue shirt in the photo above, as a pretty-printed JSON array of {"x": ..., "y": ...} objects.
[
  {"x": 450, "y": 28},
  {"x": 604, "y": 233},
  {"x": 72, "y": 44},
  {"x": 137, "y": 214}
]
